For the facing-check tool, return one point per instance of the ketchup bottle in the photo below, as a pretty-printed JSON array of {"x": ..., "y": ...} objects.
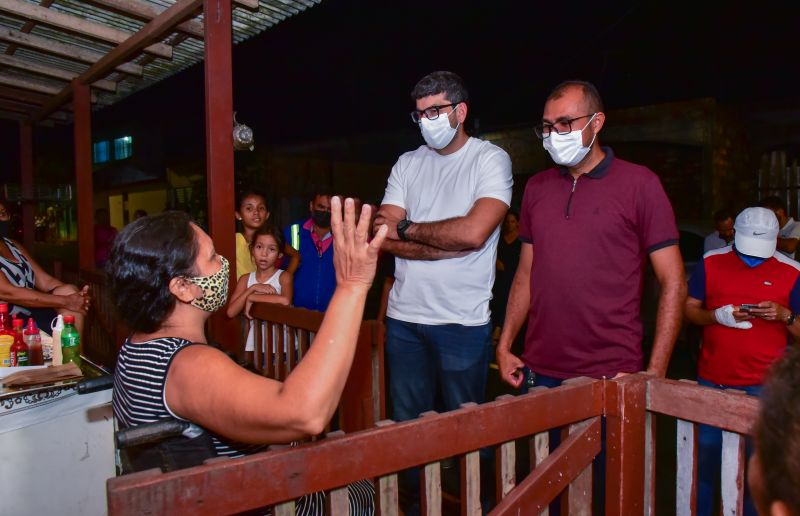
[{"x": 19, "y": 350}]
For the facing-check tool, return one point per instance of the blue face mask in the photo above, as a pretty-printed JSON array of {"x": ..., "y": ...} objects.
[{"x": 750, "y": 261}]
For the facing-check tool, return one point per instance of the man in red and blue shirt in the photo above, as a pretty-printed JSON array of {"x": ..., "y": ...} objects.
[
  {"x": 746, "y": 297},
  {"x": 312, "y": 240}
]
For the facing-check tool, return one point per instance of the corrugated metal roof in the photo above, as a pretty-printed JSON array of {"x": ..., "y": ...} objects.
[{"x": 34, "y": 66}]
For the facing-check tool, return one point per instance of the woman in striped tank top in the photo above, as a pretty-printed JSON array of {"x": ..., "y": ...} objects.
[
  {"x": 167, "y": 280},
  {"x": 28, "y": 289}
]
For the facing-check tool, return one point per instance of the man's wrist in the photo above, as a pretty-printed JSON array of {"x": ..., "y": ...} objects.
[
  {"x": 402, "y": 227},
  {"x": 791, "y": 318}
]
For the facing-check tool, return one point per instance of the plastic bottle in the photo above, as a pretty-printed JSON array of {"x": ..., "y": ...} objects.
[
  {"x": 33, "y": 340},
  {"x": 57, "y": 326},
  {"x": 19, "y": 350},
  {"x": 6, "y": 336},
  {"x": 70, "y": 342}
]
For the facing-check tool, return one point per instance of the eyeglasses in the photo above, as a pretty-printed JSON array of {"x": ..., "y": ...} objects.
[
  {"x": 431, "y": 113},
  {"x": 562, "y": 127}
]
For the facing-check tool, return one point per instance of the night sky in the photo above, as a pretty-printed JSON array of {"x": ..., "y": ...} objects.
[{"x": 346, "y": 67}]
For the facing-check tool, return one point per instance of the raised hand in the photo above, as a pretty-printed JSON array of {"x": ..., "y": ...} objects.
[{"x": 354, "y": 258}]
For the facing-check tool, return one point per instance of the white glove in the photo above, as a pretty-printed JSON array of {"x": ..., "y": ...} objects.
[{"x": 724, "y": 316}]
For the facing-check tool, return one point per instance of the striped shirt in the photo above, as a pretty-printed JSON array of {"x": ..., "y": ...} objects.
[
  {"x": 18, "y": 272},
  {"x": 140, "y": 397},
  {"x": 139, "y": 394}
]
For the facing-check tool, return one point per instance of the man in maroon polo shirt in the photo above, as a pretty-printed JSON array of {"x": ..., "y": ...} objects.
[{"x": 588, "y": 227}]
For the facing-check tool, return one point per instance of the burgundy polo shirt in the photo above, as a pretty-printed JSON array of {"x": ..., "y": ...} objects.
[{"x": 591, "y": 239}]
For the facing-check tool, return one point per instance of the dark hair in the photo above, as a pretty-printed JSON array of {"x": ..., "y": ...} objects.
[
  {"x": 441, "y": 82},
  {"x": 776, "y": 432},
  {"x": 146, "y": 255},
  {"x": 773, "y": 202},
  {"x": 270, "y": 231},
  {"x": 722, "y": 214},
  {"x": 589, "y": 90},
  {"x": 244, "y": 193},
  {"x": 319, "y": 192}
]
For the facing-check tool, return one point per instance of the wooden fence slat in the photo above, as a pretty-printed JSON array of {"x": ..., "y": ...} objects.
[
  {"x": 431, "y": 485},
  {"x": 471, "y": 484},
  {"x": 388, "y": 496},
  {"x": 337, "y": 502},
  {"x": 686, "y": 475},
  {"x": 650, "y": 464},
  {"x": 285, "y": 509},
  {"x": 579, "y": 491},
  {"x": 506, "y": 459},
  {"x": 732, "y": 480},
  {"x": 431, "y": 482}
]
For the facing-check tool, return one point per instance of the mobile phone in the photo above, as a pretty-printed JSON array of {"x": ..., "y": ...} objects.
[{"x": 746, "y": 307}]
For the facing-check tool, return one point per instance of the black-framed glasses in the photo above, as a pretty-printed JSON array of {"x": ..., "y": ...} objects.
[
  {"x": 431, "y": 113},
  {"x": 562, "y": 127}
]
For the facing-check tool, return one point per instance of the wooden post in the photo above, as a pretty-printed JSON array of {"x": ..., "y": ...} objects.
[
  {"x": 625, "y": 445},
  {"x": 82, "y": 127},
  {"x": 26, "y": 181},
  {"x": 219, "y": 150}
]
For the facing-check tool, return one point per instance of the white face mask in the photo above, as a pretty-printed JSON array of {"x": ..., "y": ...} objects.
[
  {"x": 567, "y": 149},
  {"x": 437, "y": 133}
]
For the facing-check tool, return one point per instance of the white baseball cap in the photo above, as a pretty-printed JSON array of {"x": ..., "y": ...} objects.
[{"x": 756, "y": 232}]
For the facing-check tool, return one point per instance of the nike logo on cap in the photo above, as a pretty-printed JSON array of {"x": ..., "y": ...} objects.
[{"x": 756, "y": 233}]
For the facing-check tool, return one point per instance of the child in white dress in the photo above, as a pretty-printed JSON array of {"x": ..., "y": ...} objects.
[{"x": 267, "y": 284}]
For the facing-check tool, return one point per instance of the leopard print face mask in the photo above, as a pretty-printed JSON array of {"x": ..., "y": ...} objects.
[{"x": 215, "y": 288}]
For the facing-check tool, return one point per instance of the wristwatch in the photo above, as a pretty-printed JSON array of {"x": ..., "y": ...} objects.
[
  {"x": 402, "y": 226},
  {"x": 790, "y": 319}
]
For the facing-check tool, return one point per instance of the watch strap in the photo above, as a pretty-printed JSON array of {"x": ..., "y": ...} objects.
[{"x": 402, "y": 226}]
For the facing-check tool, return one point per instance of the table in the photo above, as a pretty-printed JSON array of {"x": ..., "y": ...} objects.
[{"x": 56, "y": 449}]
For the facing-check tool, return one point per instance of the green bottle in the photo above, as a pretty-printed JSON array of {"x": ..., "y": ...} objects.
[{"x": 70, "y": 342}]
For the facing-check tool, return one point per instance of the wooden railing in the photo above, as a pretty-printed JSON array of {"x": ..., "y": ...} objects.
[
  {"x": 276, "y": 478},
  {"x": 730, "y": 410},
  {"x": 285, "y": 335}
]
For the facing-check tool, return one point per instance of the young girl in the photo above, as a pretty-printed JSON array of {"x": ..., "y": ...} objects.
[
  {"x": 267, "y": 284},
  {"x": 252, "y": 213}
]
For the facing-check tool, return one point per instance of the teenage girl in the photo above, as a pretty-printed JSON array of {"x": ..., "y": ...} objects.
[
  {"x": 267, "y": 284},
  {"x": 252, "y": 213}
]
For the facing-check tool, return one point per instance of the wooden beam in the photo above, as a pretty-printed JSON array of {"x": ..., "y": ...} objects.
[
  {"x": 28, "y": 85},
  {"x": 54, "y": 73},
  {"x": 218, "y": 71},
  {"x": 153, "y": 31},
  {"x": 82, "y": 133},
  {"x": 55, "y": 48},
  {"x": 145, "y": 11},
  {"x": 26, "y": 181},
  {"x": 19, "y": 117},
  {"x": 27, "y": 27},
  {"x": 29, "y": 110},
  {"x": 27, "y": 97},
  {"x": 248, "y": 4},
  {"x": 77, "y": 25}
]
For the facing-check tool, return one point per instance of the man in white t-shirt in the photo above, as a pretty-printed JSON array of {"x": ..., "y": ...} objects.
[
  {"x": 443, "y": 204},
  {"x": 789, "y": 235},
  {"x": 723, "y": 231}
]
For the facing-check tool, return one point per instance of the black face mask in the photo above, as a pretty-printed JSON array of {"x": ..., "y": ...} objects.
[
  {"x": 321, "y": 218},
  {"x": 5, "y": 228}
]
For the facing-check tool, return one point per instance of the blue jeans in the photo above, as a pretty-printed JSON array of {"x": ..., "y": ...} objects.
[
  {"x": 435, "y": 367},
  {"x": 709, "y": 458},
  {"x": 424, "y": 360}
]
